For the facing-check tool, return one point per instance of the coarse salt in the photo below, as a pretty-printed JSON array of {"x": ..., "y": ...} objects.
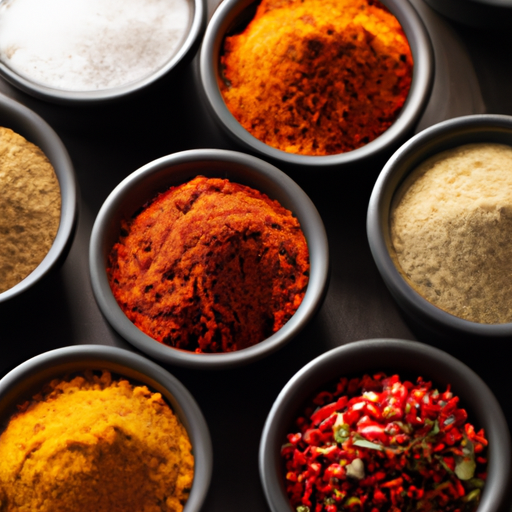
[{"x": 85, "y": 45}]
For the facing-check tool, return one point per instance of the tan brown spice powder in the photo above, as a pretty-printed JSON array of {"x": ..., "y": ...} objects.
[
  {"x": 451, "y": 229},
  {"x": 30, "y": 206}
]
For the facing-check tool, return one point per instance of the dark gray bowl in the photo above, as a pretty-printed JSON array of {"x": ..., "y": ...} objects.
[
  {"x": 20, "y": 119},
  {"x": 476, "y": 13},
  {"x": 433, "y": 140},
  {"x": 178, "y": 168},
  {"x": 398, "y": 356},
  {"x": 25, "y": 380},
  {"x": 230, "y": 13},
  {"x": 176, "y": 61}
]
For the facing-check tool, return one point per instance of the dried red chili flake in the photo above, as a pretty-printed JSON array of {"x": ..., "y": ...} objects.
[{"x": 376, "y": 444}]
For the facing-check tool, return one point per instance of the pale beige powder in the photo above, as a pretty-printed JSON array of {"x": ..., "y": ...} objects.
[
  {"x": 451, "y": 228},
  {"x": 30, "y": 205}
]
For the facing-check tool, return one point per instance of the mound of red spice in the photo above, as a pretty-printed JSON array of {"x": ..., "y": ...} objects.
[
  {"x": 210, "y": 266},
  {"x": 378, "y": 444},
  {"x": 317, "y": 77}
]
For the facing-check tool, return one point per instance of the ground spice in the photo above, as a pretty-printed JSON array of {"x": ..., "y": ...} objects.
[
  {"x": 30, "y": 207},
  {"x": 317, "y": 77},
  {"x": 210, "y": 266},
  {"x": 88, "y": 45},
  {"x": 451, "y": 229},
  {"x": 376, "y": 444},
  {"x": 97, "y": 444}
]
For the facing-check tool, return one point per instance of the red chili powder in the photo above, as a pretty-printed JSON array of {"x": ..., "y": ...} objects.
[{"x": 210, "y": 266}]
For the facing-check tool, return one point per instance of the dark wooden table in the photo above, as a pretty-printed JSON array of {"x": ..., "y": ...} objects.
[{"x": 473, "y": 75}]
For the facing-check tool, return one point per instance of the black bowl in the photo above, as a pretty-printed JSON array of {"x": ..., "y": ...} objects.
[
  {"x": 443, "y": 136},
  {"x": 405, "y": 358},
  {"x": 174, "y": 64},
  {"x": 231, "y": 13},
  {"x": 26, "y": 380},
  {"x": 27, "y": 123},
  {"x": 178, "y": 168}
]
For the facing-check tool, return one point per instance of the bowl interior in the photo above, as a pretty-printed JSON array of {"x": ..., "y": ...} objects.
[
  {"x": 27, "y": 379},
  {"x": 408, "y": 359},
  {"x": 233, "y": 15},
  {"x": 28, "y": 124},
  {"x": 158, "y": 176}
]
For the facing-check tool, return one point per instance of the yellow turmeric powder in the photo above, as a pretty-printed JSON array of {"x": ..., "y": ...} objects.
[
  {"x": 317, "y": 77},
  {"x": 95, "y": 444}
]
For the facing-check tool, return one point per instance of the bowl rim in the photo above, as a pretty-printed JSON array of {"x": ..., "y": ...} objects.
[
  {"x": 43, "y": 367},
  {"x": 66, "y": 96},
  {"x": 36, "y": 130},
  {"x": 181, "y": 167},
  {"x": 423, "y": 76},
  {"x": 382, "y": 352},
  {"x": 439, "y": 137}
]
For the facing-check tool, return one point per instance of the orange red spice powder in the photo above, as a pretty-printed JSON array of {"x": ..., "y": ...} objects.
[
  {"x": 210, "y": 266},
  {"x": 317, "y": 77}
]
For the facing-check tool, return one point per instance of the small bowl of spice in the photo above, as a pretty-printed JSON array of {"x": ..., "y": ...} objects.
[
  {"x": 208, "y": 258},
  {"x": 100, "y": 428},
  {"x": 38, "y": 199},
  {"x": 86, "y": 52},
  {"x": 440, "y": 224},
  {"x": 315, "y": 83},
  {"x": 385, "y": 424}
]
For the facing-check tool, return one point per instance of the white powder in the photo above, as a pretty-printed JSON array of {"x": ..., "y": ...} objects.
[
  {"x": 84, "y": 45},
  {"x": 451, "y": 228}
]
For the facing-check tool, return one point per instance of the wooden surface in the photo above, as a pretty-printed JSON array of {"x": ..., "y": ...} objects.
[{"x": 473, "y": 75}]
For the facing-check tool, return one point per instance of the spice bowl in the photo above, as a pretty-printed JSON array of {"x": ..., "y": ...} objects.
[
  {"x": 28, "y": 379},
  {"x": 233, "y": 15},
  {"x": 409, "y": 360},
  {"x": 179, "y": 168},
  {"x": 34, "y": 129},
  {"x": 426, "y": 317},
  {"x": 146, "y": 42}
]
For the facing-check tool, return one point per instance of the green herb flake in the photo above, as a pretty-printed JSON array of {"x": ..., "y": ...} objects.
[
  {"x": 474, "y": 495},
  {"x": 353, "y": 500},
  {"x": 363, "y": 443},
  {"x": 341, "y": 433},
  {"x": 435, "y": 429},
  {"x": 465, "y": 469}
]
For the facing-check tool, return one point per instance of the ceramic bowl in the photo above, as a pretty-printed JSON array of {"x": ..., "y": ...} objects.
[
  {"x": 433, "y": 140},
  {"x": 476, "y": 13},
  {"x": 25, "y": 122},
  {"x": 25, "y": 380},
  {"x": 178, "y": 168},
  {"x": 181, "y": 56},
  {"x": 408, "y": 358},
  {"x": 232, "y": 13}
]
